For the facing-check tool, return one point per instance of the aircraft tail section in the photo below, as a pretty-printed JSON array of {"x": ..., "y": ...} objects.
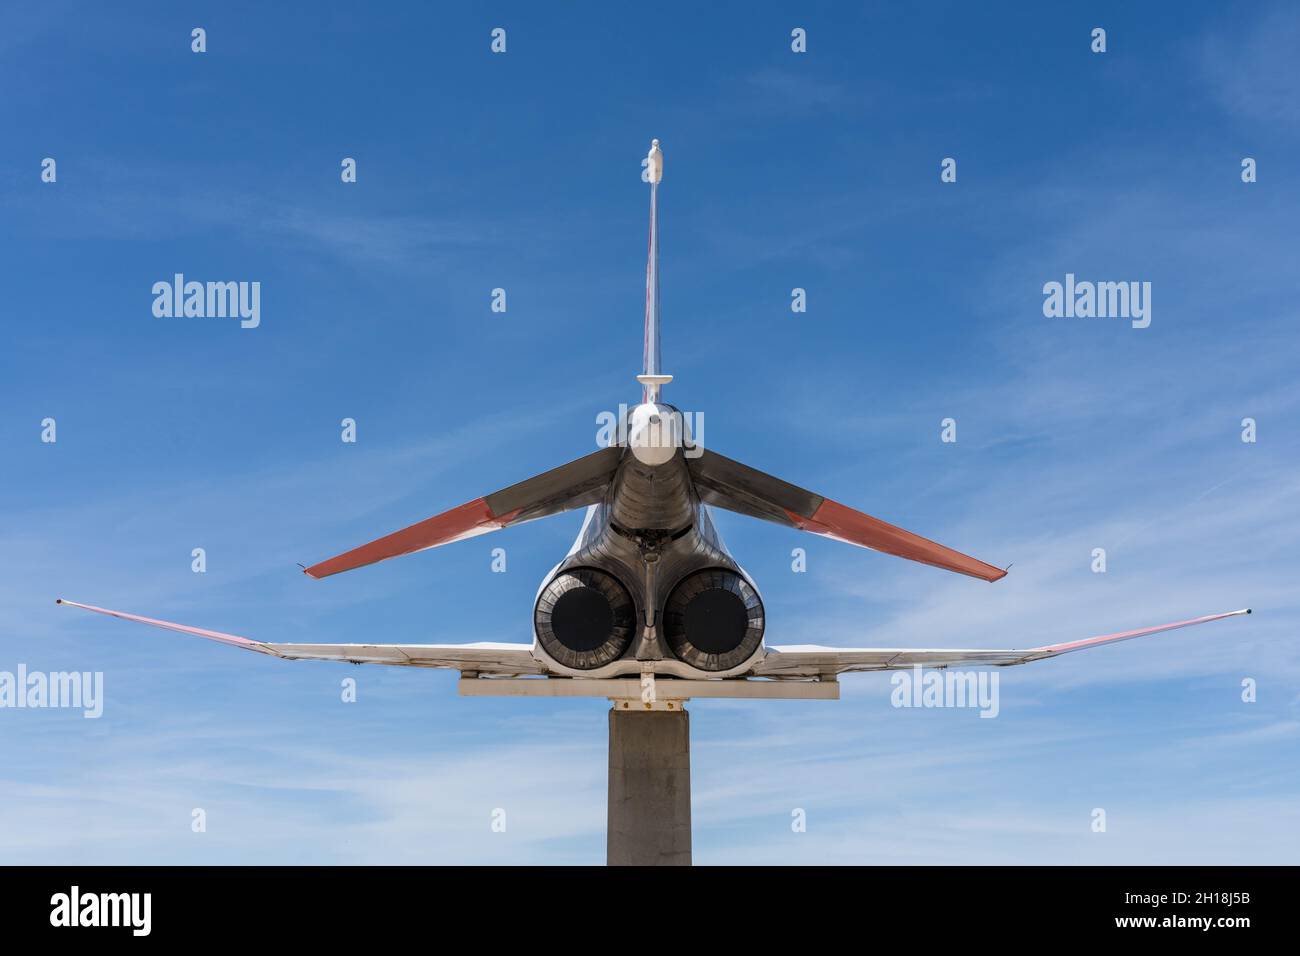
[
  {"x": 578, "y": 483},
  {"x": 735, "y": 486}
]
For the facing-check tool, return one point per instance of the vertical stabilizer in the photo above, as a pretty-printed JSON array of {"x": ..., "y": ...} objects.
[{"x": 651, "y": 377}]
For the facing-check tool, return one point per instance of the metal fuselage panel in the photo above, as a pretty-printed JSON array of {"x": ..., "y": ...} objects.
[{"x": 650, "y": 532}]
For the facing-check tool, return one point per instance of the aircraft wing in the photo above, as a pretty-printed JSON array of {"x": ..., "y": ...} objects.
[
  {"x": 580, "y": 482},
  {"x": 733, "y": 485},
  {"x": 485, "y": 658},
  {"x": 811, "y": 660}
]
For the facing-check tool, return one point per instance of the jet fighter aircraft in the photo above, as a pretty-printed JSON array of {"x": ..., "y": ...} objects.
[{"x": 649, "y": 586}]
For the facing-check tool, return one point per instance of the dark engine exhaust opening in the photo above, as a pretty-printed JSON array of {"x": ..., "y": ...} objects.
[
  {"x": 584, "y": 618},
  {"x": 713, "y": 620}
]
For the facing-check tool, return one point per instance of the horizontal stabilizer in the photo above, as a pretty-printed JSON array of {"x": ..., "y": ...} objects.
[
  {"x": 735, "y": 486},
  {"x": 484, "y": 658},
  {"x": 581, "y": 482},
  {"x": 810, "y": 660}
]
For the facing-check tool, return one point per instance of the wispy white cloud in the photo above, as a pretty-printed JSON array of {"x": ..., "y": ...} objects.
[{"x": 1252, "y": 68}]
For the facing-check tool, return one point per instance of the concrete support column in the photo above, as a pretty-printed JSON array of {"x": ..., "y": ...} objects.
[{"x": 649, "y": 788}]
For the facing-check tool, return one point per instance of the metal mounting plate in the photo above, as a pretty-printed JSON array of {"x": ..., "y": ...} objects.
[{"x": 665, "y": 689}]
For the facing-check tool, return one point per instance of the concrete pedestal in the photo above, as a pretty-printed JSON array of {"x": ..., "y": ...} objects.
[{"x": 649, "y": 788}]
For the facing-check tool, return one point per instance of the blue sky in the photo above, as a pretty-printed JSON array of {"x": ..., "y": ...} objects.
[{"x": 521, "y": 171}]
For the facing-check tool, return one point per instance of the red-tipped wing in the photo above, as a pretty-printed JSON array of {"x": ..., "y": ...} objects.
[
  {"x": 811, "y": 660},
  {"x": 487, "y": 658},
  {"x": 735, "y": 486},
  {"x": 580, "y": 482}
]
